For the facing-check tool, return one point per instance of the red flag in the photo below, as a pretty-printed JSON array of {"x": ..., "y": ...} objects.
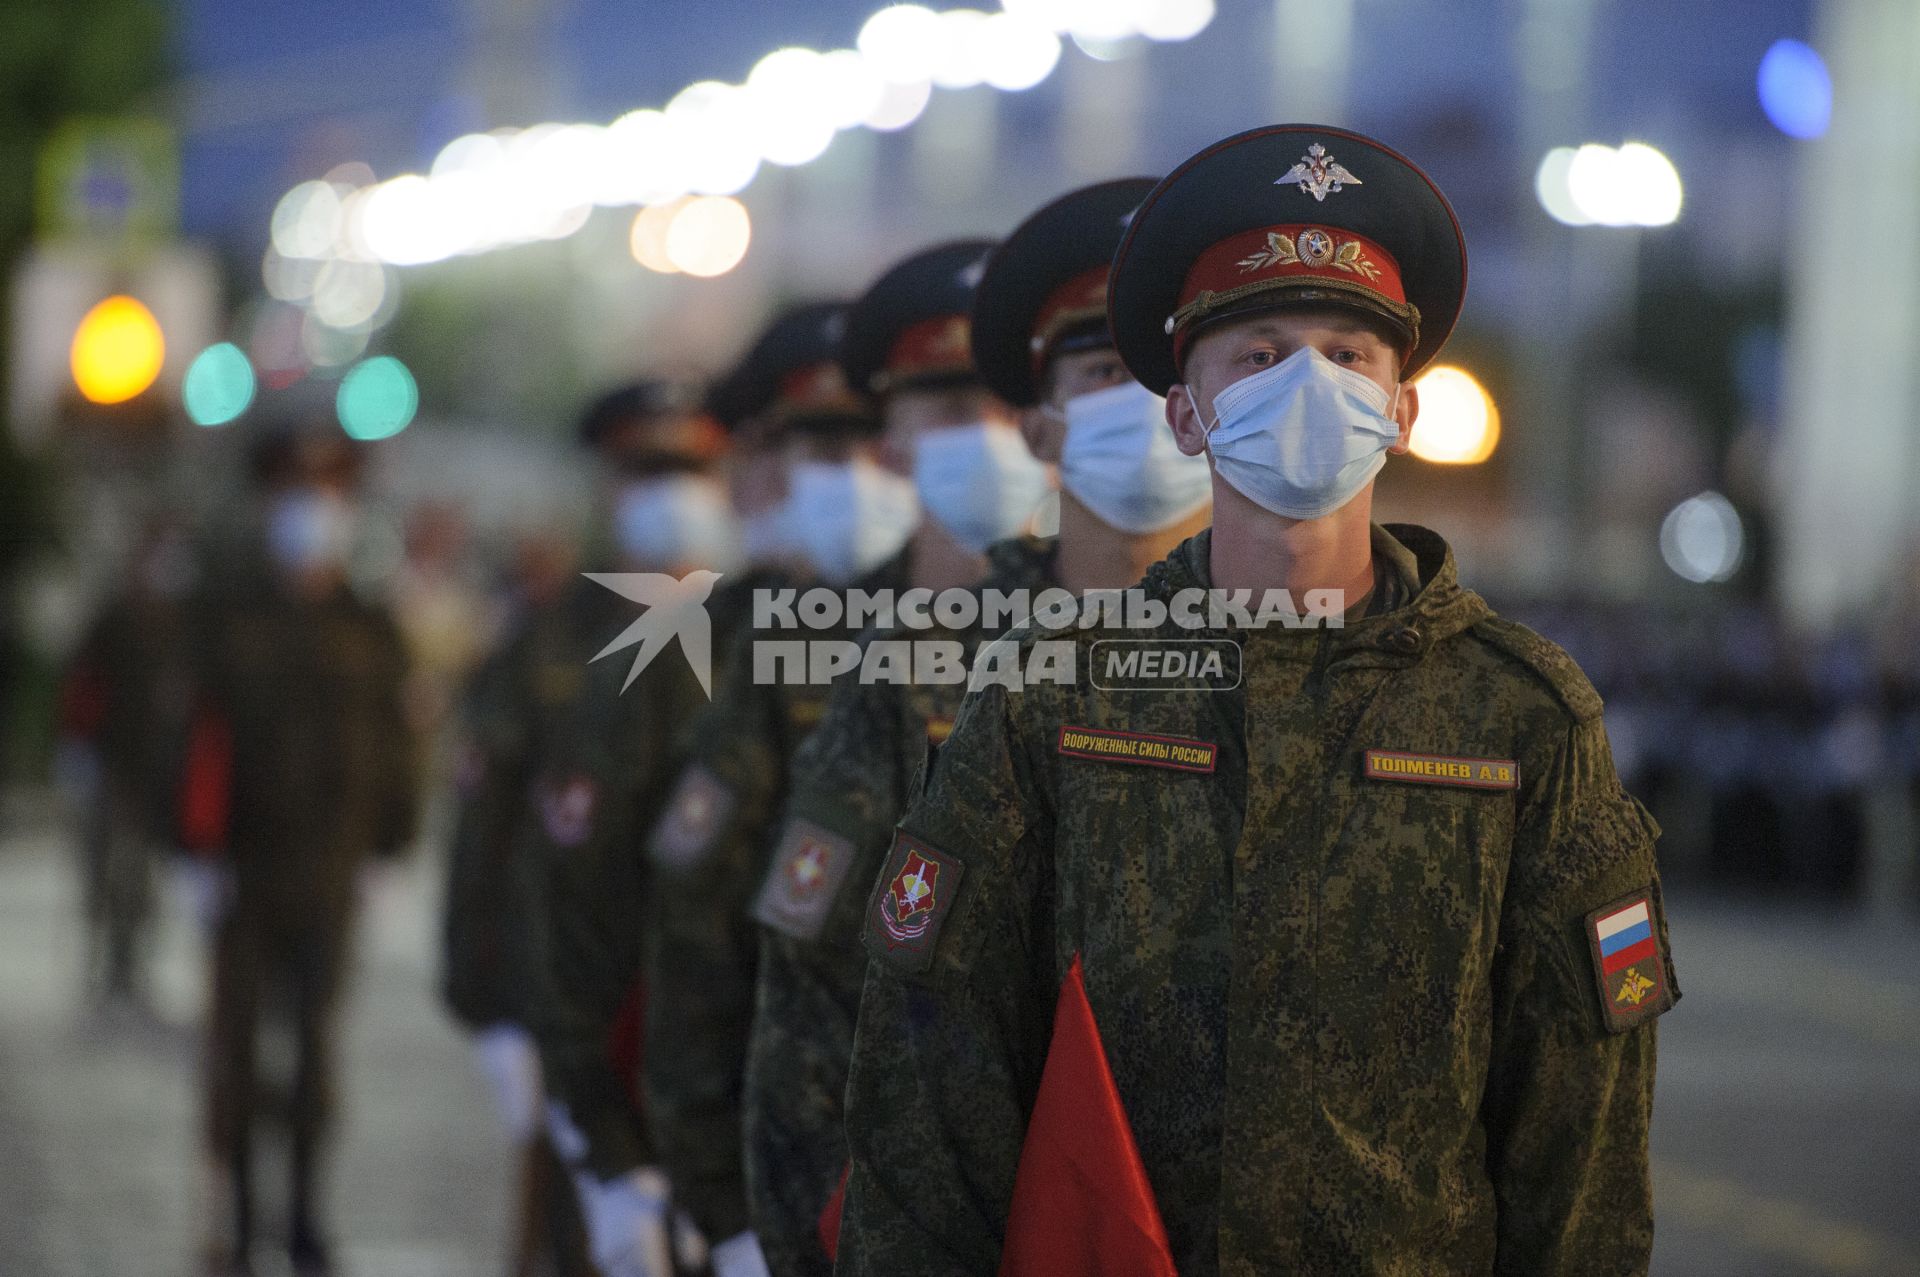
[
  {"x": 830, "y": 1217},
  {"x": 206, "y": 785},
  {"x": 1082, "y": 1206}
]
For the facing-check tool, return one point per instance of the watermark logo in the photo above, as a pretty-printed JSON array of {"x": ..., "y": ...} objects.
[
  {"x": 1169, "y": 655},
  {"x": 676, "y": 608}
]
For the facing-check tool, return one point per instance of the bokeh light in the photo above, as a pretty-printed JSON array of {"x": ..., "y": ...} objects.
[
  {"x": 900, "y": 105},
  {"x": 1701, "y": 538},
  {"x": 117, "y": 350},
  {"x": 709, "y": 236},
  {"x": 219, "y": 385},
  {"x": 1630, "y": 185},
  {"x": 306, "y": 221},
  {"x": 1795, "y": 89},
  {"x": 1459, "y": 424},
  {"x": 903, "y": 43},
  {"x": 377, "y": 399},
  {"x": 647, "y": 241}
]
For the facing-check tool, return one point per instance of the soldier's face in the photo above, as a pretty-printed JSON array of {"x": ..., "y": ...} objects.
[
  {"x": 1236, "y": 350},
  {"x": 914, "y": 412},
  {"x": 1076, "y": 373}
]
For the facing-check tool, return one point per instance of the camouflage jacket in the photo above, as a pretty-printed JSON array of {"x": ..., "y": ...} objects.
[
  {"x": 847, "y": 789},
  {"x": 322, "y": 772},
  {"x": 1338, "y": 927},
  {"x": 512, "y": 707},
  {"x": 709, "y": 852},
  {"x": 600, "y": 783}
]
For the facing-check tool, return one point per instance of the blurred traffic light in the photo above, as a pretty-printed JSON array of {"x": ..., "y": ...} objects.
[{"x": 117, "y": 350}]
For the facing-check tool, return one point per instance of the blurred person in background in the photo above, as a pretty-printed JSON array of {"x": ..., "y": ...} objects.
[
  {"x": 442, "y": 615},
  {"x": 541, "y": 734},
  {"x": 852, "y": 514},
  {"x": 125, "y": 709},
  {"x": 1040, "y": 343},
  {"x": 306, "y": 680}
]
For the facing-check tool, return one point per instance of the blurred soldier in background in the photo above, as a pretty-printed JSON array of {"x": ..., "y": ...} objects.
[
  {"x": 1039, "y": 341},
  {"x": 847, "y": 517},
  {"x": 124, "y": 720},
  {"x": 306, "y": 679},
  {"x": 527, "y": 709}
]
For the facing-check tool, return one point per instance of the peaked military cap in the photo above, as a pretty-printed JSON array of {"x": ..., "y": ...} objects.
[
  {"x": 657, "y": 422},
  {"x": 913, "y": 326},
  {"x": 1045, "y": 288},
  {"x": 1284, "y": 215},
  {"x": 792, "y": 374}
]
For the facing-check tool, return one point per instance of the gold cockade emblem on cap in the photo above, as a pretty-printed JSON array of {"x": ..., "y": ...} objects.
[
  {"x": 1318, "y": 174},
  {"x": 1311, "y": 247}
]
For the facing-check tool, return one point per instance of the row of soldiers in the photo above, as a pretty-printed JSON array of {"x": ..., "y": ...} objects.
[
  {"x": 657, "y": 894},
  {"x": 1356, "y": 952}
]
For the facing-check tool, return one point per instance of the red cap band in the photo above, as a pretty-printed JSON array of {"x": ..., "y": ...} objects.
[
  {"x": 1290, "y": 256},
  {"x": 1080, "y": 299},
  {"x": 930, "y": 347}
]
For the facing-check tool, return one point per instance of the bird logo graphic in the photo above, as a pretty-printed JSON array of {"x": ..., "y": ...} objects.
[{"x": 676, "y": 608}]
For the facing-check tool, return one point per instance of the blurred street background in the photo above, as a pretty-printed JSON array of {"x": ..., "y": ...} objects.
[{"x": 1677, "y": 431}]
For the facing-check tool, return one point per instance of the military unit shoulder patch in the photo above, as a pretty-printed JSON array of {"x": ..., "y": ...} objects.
[
  {"x": 911, "y": 900},
  {"x": 1443, "y": 769},
  {"x": 566, "y": 809},
  {"x": 1629, "y": 962},
  {"x": 697, "y": 812},
  {"x": 1178, "y": 753},
  {"x": 809, "y": 866}
]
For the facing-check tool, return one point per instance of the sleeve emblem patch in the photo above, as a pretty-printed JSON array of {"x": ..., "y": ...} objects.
[
  {"x": 911, "y": 901},
  {"x": 696, "y": 814},
  {"x": 1628, "y": 961},
  {"x": 1178, "y": 753},
  {"x": 1443, "y": 769},
  {"x": 566, "y": 810},
  {"x": 809, "y": 865}
]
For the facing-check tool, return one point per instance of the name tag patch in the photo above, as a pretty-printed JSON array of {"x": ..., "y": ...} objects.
[
  {"x": 910, "y": 901},
  {"x": 1178, "y": 753},
  {"x": 1628, "y": 961},
  {"x": 696, "y": 814},
  {"x": 1443, "y": 769},
  {"x": 809, "y": 865}
]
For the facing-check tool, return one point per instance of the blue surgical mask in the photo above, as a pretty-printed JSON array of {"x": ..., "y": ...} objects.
[
  {"x": 675, "y": 521},
  {"x": 1303, "y": 437},
  {"x": 310, "y": 530},
  {"x": 849, "y": 517},
  {"x": 1120, "y": 461},
  {"x": 978, "y": 481}
]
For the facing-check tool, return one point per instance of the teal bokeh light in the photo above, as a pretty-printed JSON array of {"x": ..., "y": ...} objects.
[
  {"x": 377, "y": 398},
  {"x": 219, "y": 385}
]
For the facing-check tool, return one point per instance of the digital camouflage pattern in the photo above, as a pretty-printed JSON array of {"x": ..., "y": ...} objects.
[
  {"x": 1354, "y": 1021},
  {"x": 709, "y": 852},
  {"x": 848, "y": 787},
  {"x": 512, "y": 710},
  {"x": 599, "y": 784}
]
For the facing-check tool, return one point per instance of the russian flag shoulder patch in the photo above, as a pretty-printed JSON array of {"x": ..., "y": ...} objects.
[{"x": 1629, "y": 961}]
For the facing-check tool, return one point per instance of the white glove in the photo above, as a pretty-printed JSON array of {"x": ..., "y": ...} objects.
[
  {"x": 506, "y": 1057},
  {"x": 739, "y": 1256},
  {"x": 627, "y": 1223}
]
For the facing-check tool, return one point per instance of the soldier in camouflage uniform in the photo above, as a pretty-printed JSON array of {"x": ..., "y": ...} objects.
[
  {"x": 306, "y": 678},
  {"x": 1371, "y": 935},
  {"x": 537, "y": 717},
  {"x": 906, "y": 341},
  {"x": 1040, "y": 342}
]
